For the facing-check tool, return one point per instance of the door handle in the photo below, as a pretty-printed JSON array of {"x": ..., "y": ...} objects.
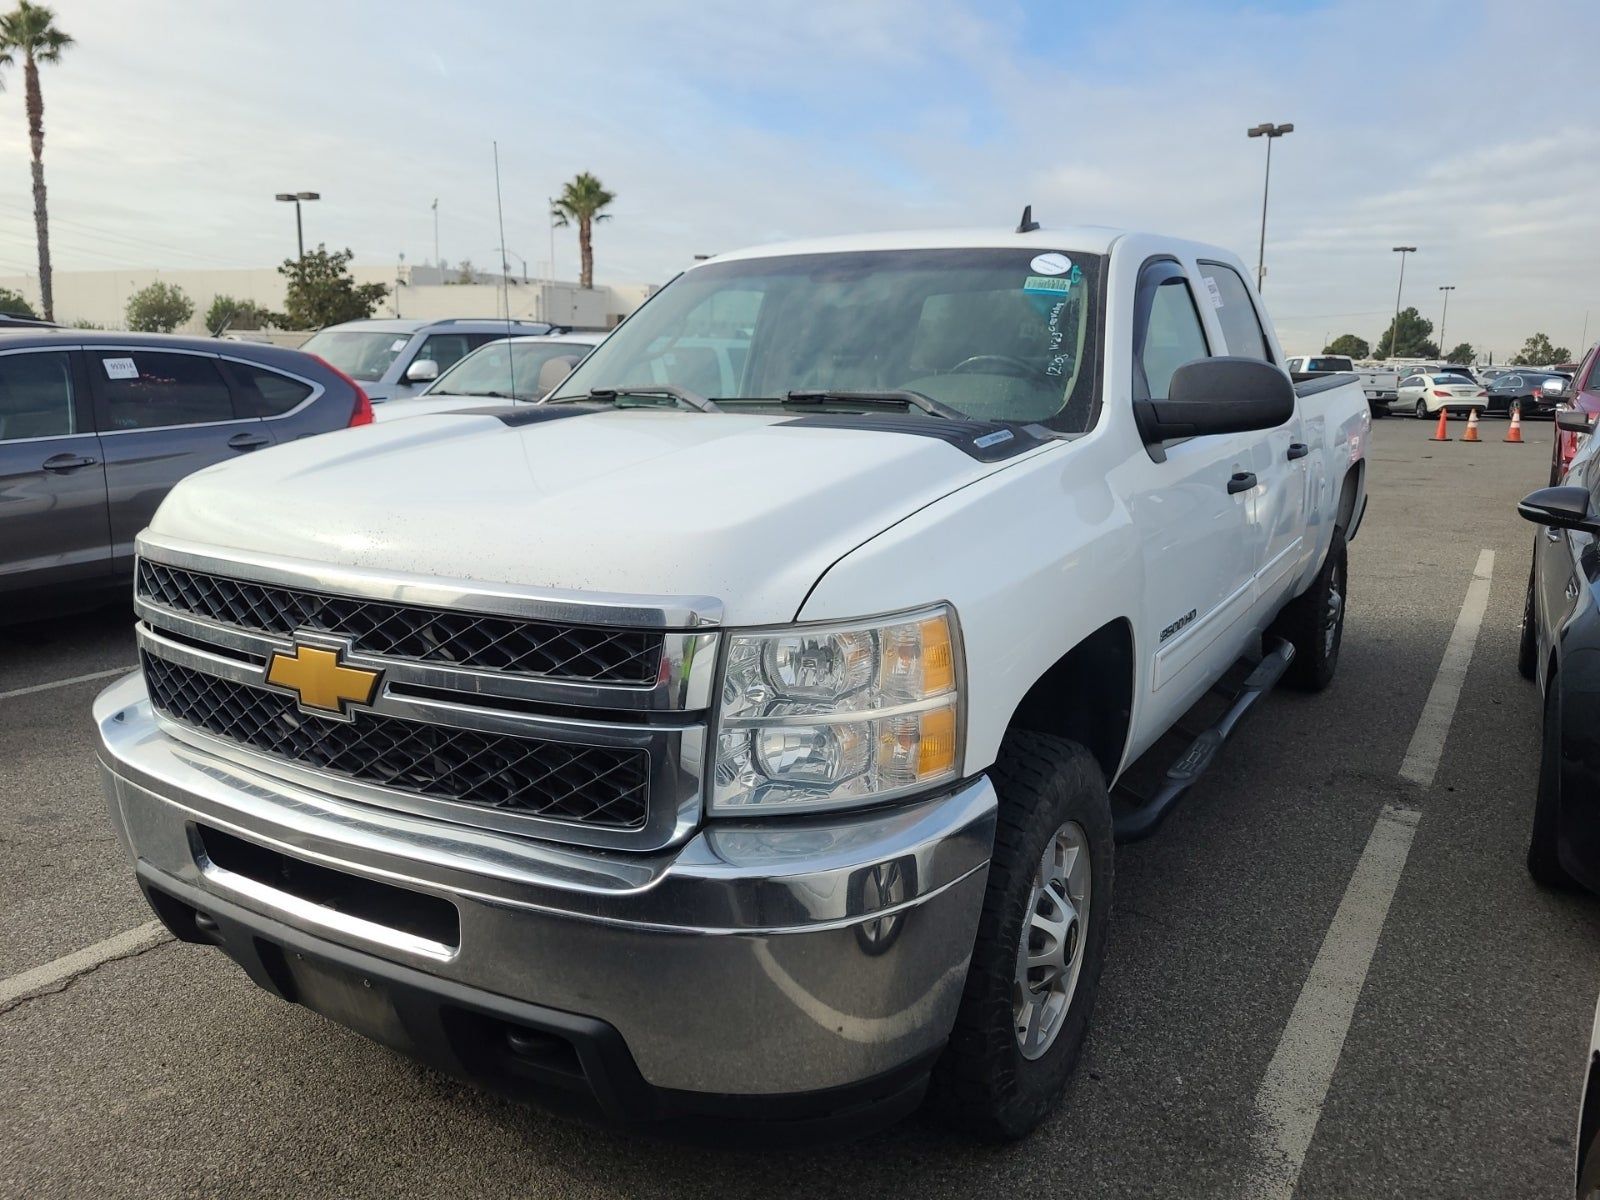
[
  {"x": 1242, "y": 481},
  {"x": 247, "y": 441},
  {"x": 1298, "y": 450},
  {"x": 68, "y": 462}
]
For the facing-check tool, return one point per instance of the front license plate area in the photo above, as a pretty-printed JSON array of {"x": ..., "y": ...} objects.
[{"x": 352, "y": 999}]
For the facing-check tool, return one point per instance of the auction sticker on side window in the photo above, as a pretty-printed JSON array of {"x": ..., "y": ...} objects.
[
  {"x": 120, "y": 368},
  {"x": 1047, "y": 285}
]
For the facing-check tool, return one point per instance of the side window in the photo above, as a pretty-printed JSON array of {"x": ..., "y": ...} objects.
[
  {"x": 264, "y": 392},
  {"x": 1592, "y": 382},
  {"x": 1241, "y": 327},
  {"x": 150, "y": 390},
  {"x": 1171, "y": 337},
  {"x": 36, "y": 396},
  {"x": 446, "y": 349}
]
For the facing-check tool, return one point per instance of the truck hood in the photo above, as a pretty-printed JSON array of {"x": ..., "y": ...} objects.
[{"x": 747, "y": 509}]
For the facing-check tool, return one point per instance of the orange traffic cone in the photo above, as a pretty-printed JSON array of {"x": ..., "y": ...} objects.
[
  {"x": 1471, "y": 435},
  {"x": 1514, "y": 434},
  {"x": 1442, "y": 434}
]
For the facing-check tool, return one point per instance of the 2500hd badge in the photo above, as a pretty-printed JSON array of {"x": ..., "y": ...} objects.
[{"x": 771, "y": 773}]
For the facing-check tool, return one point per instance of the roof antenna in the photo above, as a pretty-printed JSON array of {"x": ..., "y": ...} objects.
[{"x": 1027, "y": 224}]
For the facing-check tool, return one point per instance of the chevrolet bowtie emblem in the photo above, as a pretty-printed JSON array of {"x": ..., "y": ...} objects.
[{"x": 323, "y": 684}]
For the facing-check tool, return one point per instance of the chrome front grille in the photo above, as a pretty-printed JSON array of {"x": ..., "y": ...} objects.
[
  {"x": 592, "y": 785},
  {"x": 434, "y": 635},
  {"x": 568, "y": 717}
]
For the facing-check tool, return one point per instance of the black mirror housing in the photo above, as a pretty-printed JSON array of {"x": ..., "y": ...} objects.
[
  {"x": 1573, "y": 420},
  {"x": 1559, "y": 508},
  {"x": 1217, "y": 395}
]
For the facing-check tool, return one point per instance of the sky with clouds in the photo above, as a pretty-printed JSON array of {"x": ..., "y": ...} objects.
[{"x": 1468, "y": 129}]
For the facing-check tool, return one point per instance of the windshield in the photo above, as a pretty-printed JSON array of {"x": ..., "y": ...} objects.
[
  {"x": 527, "y": 372},
  {"x": 1002, "y": 335},
  {"x": 1328, "y": 364},
  {"x": 361, "y": 354}
]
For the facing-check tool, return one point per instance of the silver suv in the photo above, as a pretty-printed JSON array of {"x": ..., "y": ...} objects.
[{"x": 394, "y": 358}]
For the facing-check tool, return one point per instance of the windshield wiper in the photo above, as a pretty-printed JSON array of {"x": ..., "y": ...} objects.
[
  {"x": 683, "y": 396},
  {"x": 898, "y": 398}
]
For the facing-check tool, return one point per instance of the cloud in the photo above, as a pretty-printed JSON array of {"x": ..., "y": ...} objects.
[{"x": 169, "y": 129}]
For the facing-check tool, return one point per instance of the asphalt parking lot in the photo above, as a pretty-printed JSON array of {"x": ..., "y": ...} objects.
[{"x": 165, "y": 1072}]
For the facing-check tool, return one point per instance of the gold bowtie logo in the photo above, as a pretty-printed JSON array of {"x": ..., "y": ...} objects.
[{"x": 320, "y": 680}]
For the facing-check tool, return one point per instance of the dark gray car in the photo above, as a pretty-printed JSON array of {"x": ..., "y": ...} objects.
[{"x": 95, "y": 428}]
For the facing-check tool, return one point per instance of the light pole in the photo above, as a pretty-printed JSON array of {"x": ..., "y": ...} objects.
[
  {"x": 1394, "y": 333},
  {"x": 505, "y": 251},
  {"x": 436, "y": 261},
  {"x": 1269, "y": 131},
  {"x": 1446, "y": 288},
  {"x": 299, "y": 230}
]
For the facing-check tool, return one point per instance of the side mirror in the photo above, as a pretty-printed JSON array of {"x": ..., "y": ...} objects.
[
  {"x": 1554, "y": 387},
  {"x": 1559, "y": 508},
  {"x": 1217, "y": 395},
  {"x": 1573, "y": 420},
  {"x": 424, "y": 370}
]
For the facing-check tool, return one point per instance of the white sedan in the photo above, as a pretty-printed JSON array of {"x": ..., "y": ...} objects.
[
  {"x": 1425, "y": 395},
  {"x": 516, "y": 370}
]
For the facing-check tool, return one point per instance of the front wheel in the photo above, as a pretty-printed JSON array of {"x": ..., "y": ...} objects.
[
  {"x": 1544, "y": 861},
  {"x": 1528, "y": 644},
  {"x": 1422, "y": 411},
  {"x": 1040, "y": 945}
]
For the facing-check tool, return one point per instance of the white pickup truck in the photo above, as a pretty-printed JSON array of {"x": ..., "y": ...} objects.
[
  {"x": 742, "y": 735},
  {"x": 1379, "y": 383}
]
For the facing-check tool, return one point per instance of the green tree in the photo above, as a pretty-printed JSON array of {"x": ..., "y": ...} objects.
[
  {"x": 15, "y": 304},
  {"x": 1538, "y": 352},
  {"x": 1413, "y": 338},
  {"x": 1349, "y": 345},
  {"x": 30, "y": 30},
  {"x": 158, "y": 308},
  {"x": 322, "y": 291},
  {"x": 1462, "y": 355},
  {"x": 227, "y": 313},
  {"x": 582, "y": 200},
  {"x": 467, "y": 273}
]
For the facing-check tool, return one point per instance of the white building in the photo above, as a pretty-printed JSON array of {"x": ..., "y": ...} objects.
[{"x": 101, "y": 297}]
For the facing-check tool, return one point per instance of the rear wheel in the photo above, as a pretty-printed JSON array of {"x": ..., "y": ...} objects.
[
  {"x": 1040, "y": 946},
  {"x": 1313, "y": 622},
  {"x": 1544, "y": 861}
]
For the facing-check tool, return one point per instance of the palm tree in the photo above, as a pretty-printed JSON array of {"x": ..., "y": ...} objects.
[
  {"x": 581, "y": 200},
  {"x": 30, "y": 30}
]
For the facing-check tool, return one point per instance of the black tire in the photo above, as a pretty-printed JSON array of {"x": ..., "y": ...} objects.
[
  {"x": 1422, "y": 411},
  {"x": 1544, "y": 862},
  {"x": 983, "y": 1085},
  {"x": 1304, "y": 621},
  {"x": 1528, "y": 645}
]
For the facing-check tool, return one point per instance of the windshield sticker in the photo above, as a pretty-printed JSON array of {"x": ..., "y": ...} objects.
[
  {"x": 1050, "y": 264},
  {"x": 992, "y": 439},
  {"x": 1216, "y": 292},
  {"x": 397, "y": 345},
  {"x": 120, "y": 368},
  {"x": 1045, "y": 286}
]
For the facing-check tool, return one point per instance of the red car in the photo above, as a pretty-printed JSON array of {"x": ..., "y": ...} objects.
[{"x": 1584, "y": 396}]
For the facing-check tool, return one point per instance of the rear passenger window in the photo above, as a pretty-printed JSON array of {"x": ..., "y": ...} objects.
[
  {"x": 446, "y": 349},
  {"x": 145, "y": 390},
  {"x": 1240, "y": 325},
  {"x": 36, "y": 396},
  {"x": 1173, "y": 337},
  {"x": 264, "y": 392}
]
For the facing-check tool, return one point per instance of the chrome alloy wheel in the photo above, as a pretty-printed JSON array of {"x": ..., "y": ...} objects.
[{"x": 1050, "y": 950}]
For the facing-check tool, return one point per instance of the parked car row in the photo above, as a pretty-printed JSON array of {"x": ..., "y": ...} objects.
[{"x": 95, "y": 428}]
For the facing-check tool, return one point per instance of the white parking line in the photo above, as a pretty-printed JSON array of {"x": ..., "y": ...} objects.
[
  {"x": 1427, "y": 743},
  {"x": 1295, "y": 1087},
  {"x": 60, "y": 683},
  {"x": 42, "y": 979}
]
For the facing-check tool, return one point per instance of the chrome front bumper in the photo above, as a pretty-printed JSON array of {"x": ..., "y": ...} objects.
[{"x": 756, "y": 959}]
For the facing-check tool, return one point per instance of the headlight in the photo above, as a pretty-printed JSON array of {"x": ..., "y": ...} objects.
[{"x": 829, "y": 716}]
